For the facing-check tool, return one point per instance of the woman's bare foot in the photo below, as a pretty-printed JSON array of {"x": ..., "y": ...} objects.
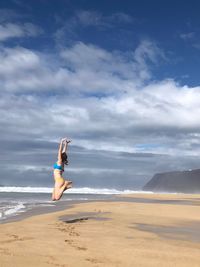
[
  {"x": 68, "y": 187},
  {"x": 68, "y": 184}
]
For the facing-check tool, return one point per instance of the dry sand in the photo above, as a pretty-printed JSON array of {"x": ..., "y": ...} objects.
[{"x": 139, "y": 230}]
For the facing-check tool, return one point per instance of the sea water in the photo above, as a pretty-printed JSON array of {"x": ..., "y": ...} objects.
[{"x": 16, "y": 200}]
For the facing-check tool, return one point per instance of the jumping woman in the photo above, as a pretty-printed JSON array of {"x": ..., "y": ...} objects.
[{"x": 60, "y": 183}]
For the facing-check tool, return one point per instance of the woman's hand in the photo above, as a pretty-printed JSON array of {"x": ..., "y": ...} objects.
[{"x": 63, "y": 140}]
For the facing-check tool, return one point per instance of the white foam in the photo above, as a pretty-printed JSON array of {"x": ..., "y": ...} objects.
[
  {"x": 80, "y": 190},
  {"x": 104, "y": 191},
  {"x": 12, "y": 210}
]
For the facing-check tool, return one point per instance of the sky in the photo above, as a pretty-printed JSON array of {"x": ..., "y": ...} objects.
[{"x": 119, "y": 78}]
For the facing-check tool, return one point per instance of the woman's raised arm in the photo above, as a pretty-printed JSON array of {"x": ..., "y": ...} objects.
[
  {"x": 65, "y": 145},
  {"x": 60, "y": 151}
]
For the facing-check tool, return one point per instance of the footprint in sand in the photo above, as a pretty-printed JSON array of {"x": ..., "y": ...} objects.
[
  {"x": 93, "y": 260},
  {"x": 5, "y": 251},
  {"x": 15, "y": 238},
  {"x": 72, "y": 244}
]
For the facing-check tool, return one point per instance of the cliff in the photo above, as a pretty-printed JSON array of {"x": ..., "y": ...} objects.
[{"x": 178, "y": 181}]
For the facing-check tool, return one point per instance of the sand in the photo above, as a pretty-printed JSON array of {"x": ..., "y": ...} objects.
[{"x": 138, "y": 230}]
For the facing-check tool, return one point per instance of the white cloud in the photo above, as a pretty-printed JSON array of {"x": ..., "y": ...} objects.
[
  {"x": 13, "y": 30},
  {"x": 81, "y": 69},
  {"x": 88, "y": 18},
  {"x": 121, "y": 17},
  {"x": 187, "y": 36},
  {"x": 162, "y": 104},
  {"x": 81, "y": 20},
  {"x": 107, "y": 102},
  {"x": 93, "y": 18},
  {"x": 62, "y": 98},
  {"x": 147, "y": 51},
  {"x": 19, "y": 58}
]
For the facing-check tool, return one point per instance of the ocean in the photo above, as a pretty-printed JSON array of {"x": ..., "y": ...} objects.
[{"x": 17, "y": 200}]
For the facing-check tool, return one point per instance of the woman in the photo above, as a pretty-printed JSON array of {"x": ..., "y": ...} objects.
[{"x": 60, "y": 184}]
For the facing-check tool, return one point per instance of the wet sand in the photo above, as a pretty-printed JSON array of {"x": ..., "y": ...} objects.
[{"x": 135, "y": 230}]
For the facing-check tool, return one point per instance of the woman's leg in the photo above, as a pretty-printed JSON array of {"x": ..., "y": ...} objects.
[
  {"x": 58, "y": 187},
  {"x": 53, "y": 195},
  {"x": 59, "y": 191},
  {"x": 68, "y": 185}
]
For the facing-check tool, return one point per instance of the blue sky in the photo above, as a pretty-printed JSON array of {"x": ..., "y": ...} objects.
[
  {"x": 120, "y": 78},
  {"x": 118, "y": 25}
]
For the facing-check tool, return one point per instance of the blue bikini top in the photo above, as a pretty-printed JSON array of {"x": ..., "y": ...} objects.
[{"x": 58, "y": 167}]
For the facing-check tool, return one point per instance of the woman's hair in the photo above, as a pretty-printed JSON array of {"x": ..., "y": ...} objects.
[{"x": 64, "y": 158}]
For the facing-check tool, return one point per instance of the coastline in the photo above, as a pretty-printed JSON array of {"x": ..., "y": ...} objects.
[
  {"x": 131, "y": 230},
  {"x": 16, "y": 206}
]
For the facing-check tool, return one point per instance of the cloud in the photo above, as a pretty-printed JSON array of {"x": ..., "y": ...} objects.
[
  {"x": 98, "y": 98},
  {"x": 88, "y": 18},
  {"x": 147, "y": 52},
  {"x": 81, "y": 69},
  {"x": 32, "y": 162},
  {"x": 131, "y": 68},
  {"x": 196, "y": 45},
  {"x": 93, "y": 18},
  {"x": 121, "y": 17},
  {"x": 187, "y": 36},
  {"x": 71, "y": 29},
  {"x": 107, "y": 102},
  {"x": 192, "y": 38},
  {"x": 7, "y": 14},
  {"x": 11, "y": 30},
  {"x": 16, "y": 59}
]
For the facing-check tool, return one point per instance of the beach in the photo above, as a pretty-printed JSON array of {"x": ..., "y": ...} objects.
[{"x": 133, "y": 230}]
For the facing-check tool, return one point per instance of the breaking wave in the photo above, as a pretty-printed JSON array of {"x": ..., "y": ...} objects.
[
  {"x": 11, "y": 209},
  {"x": 80, "y": 190}
]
